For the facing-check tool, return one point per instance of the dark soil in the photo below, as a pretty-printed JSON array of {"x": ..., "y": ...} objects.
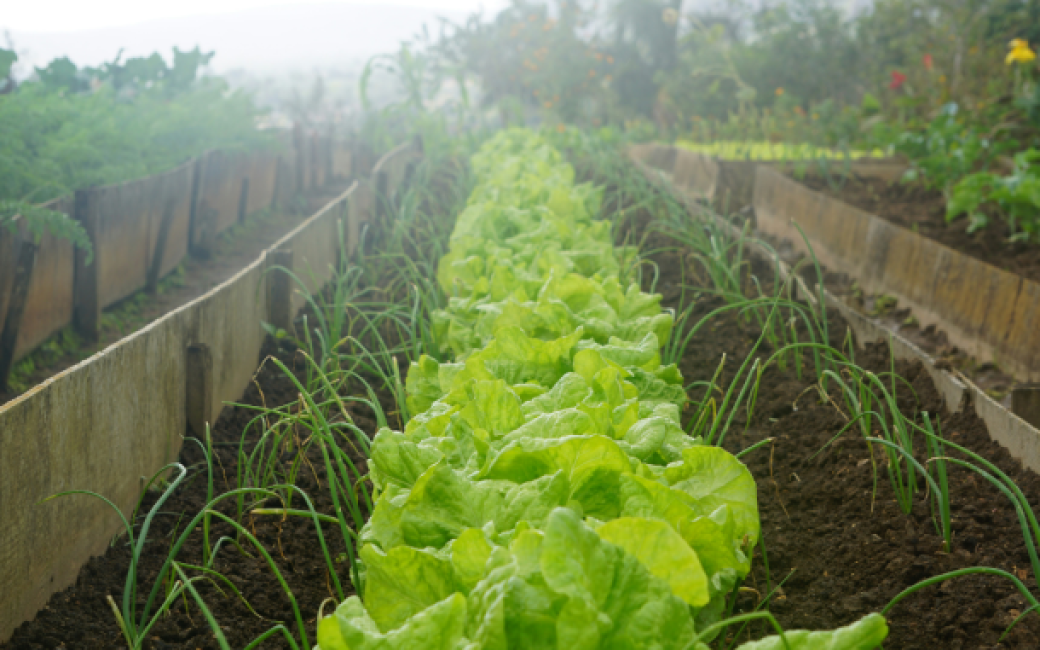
[
  {"x": 236, "y": 249},
  {"x": 843, "y": 549},
  {"x": 886, "y": 311},
  {"x": 923, "y": 210},
  {"x": 79, "y": 617}
]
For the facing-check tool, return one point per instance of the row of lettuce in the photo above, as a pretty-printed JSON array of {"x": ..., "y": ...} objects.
[{"x": 544, "y": 494}]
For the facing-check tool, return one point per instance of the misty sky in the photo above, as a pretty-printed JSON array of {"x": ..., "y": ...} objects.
[
  {"x": 77, "y": 15},
  {"x": 257, "y": 35}
]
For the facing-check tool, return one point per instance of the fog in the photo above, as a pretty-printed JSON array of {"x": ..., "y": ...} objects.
[{"x": 264, "y": 39}]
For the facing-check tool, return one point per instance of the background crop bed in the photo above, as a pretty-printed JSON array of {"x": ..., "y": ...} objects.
[{"x": 915, "y": 207}]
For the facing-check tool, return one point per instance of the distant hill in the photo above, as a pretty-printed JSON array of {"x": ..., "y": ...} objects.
[{"x": 268, "y": 39}]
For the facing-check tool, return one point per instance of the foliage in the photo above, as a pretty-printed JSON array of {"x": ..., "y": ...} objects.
[
  {"x": 39, "y": 220},
  {"x": 864, "y": 634},
  {"x": 946, "y": 150},
  {"x": 134, "y": 75},
  {"x": 424, "y": 84},
  {"x": 805, "y": 47},
  {"x": 7, "y": 61},
  {"x": 780, "y": 70},
  {"x": 533, "y": 54},
  {"x": 1016, "y": 197},
  {"x": 72, "y": 129},
  {"x": 53, "y": 143}
]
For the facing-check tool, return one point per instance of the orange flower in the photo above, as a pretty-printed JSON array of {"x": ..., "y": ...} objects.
[
  {"x": 548, "y": 104},
  {"x": 779, "y": 92},
  {"x": 560, "y": 128},
  {"x": 592, "y": 73}
]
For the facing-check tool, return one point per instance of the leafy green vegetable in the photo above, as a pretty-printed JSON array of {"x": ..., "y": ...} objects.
[
  {"x": 544, "y": 476},
  {"x": 865, "y": 634},
  {"x": 1016, "y": 197},
  {"x": 438, "y": 627}
]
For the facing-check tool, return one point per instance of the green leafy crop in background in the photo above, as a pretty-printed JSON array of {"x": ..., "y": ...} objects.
[
  {"x": 1016, "y": 197},
  {"x": 74, "y": 128}
]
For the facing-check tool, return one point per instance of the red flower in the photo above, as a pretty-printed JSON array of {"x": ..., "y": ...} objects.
[
  {"x": 928, "y": 63},
  {"x": 898, "y": 79}
]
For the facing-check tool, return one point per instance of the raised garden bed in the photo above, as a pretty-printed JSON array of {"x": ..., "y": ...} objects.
[
  {"x": 923, "y": 210},
  {"x": 234, "y": 250}
]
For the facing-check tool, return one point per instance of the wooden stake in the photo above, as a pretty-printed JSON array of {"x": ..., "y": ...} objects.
[{"x": 15, "y": 309}]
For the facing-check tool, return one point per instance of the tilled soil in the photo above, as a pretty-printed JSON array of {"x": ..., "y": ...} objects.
[
  {"x": 80, "y": 617},
  {"x": 887, "y": 311},
  {"x": 842, "y": 549},
  {"x": 913, "y": 206}
]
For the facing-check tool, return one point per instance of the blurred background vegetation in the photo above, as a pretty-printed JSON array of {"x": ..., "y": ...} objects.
[
  {"x": 68, "y": 128},
  {"x": 929, "y": 79},
  {"x": 815, "y": 71}
]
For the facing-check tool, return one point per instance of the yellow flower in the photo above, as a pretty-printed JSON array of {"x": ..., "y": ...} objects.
[
  {"x": 779, "y": 92},
  {"x": 1020, "y": 52},
  {"x": 942, "y": 78},
  {"x": 816, "y": 116}
]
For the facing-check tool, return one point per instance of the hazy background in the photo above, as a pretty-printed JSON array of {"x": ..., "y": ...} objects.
[
  {"x": 247, "y": 34},
  {"x": 288, "y": 54}
]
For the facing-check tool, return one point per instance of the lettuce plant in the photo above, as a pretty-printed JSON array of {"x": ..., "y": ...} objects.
[
  {"x": 544, "y": 493},
  {"x": 1016, "y": 197}
]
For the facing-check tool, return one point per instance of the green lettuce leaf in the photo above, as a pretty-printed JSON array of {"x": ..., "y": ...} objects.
[
  {"x": 865, "y": 634},
  {"x": 438, "y": 627}
]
